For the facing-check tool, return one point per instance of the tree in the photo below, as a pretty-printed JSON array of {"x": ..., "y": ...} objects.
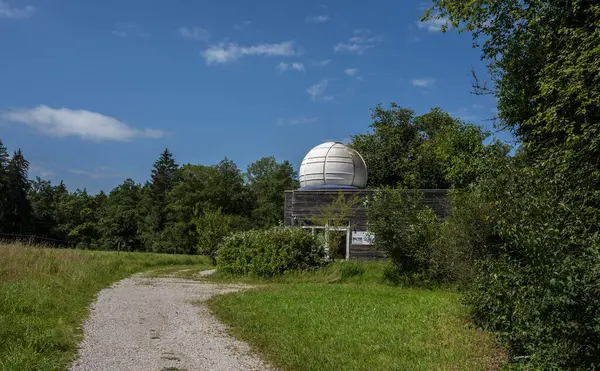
[
  {"x": 405, "y": 228},
  {"x": 433, "y": 150},
  {"x": 61, "y": 199},
  {"x": 212, "y": 227},
  {"x": 41, "y": 198},
  {"x": 268, "y": 180},
  {"x": 338, "y": 213},
  {"x": 120, "y": 220},
  {"x": 4, "y": 158},
  {"x": 229, "y": 191},
  {"x": 18, "y": 209},
  {"x": 543, "y": 61},
  {"x": 538, "y": 287},
  {"x": 83, "y": 226},
  {"x": 164, "y": 176},
  {"x": 193, "y": 192}
]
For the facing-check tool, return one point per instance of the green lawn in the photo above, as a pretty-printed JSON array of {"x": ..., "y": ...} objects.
[
  {"x": 45, "y": 295},
  {"x": 309, "y": 326}
]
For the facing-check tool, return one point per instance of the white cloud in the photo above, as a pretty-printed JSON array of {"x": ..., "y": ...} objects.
[
  {"x": 298, "y": 66},
  {"x": 434, "y": 25},
  {"x": 128, "y": 30},
  {"x": 64, "y": 122},
  {"x": 359, "y": 43},
  {"x": 40, "y": 171},
  {"x": 194, "y": 33},
  {"x": 242, "y": 24},
  {"x": 351, "y": 71},
  {"x": 322, "y": 63},
  {"x": 223, "y": 53},
  {"x": 6, "y": 11},
  {"x": 317, "y": 91},
  {"x": 98, "y": 172},
  {"x": 301, "y": 120},
  {"x": 423, "y": 82},
  {"x": 317, "y": 19}
]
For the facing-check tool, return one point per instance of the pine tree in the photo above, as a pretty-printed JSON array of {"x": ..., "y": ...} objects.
[
  {"x": 164, "y": 176},
  {"x": 18, "y": 208},
  {"x": 3, "y": 186},
  {"x": 41, "y": 196}
]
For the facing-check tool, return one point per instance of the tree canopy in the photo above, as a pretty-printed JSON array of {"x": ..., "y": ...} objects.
[{"x": 430, "y": 151}]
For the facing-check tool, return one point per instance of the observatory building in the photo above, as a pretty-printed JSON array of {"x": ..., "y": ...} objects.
[
  {"x": 334, "y": 165},
  {"x": 332, "y": 170}
]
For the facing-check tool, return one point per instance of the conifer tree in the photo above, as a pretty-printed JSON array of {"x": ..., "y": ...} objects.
[{"x": 18, "y": 209}]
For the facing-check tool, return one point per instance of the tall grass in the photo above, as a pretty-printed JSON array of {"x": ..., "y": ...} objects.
[{"x": 45, "y": 295}]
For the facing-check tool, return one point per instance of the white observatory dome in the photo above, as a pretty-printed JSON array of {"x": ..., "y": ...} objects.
[{"x": 333, "y": 164}]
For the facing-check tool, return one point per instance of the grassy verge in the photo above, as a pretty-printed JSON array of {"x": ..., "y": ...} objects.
[
  {"x": 45, "y": 295},
  {"x": 362, "y": 325},
  {"x": 340, "y": 271}
]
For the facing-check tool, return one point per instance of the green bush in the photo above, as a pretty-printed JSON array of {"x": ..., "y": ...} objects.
[
  {"x": 539, "y": 285},
  {"x": 464, "y": 238},
  {"x": 405, "y": 229},
  {"x": 268, "y": 253},
  {"x": 212, "y": 226}
]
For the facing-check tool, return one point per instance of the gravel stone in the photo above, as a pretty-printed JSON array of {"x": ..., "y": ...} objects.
[{"x": 160, "y": 324}]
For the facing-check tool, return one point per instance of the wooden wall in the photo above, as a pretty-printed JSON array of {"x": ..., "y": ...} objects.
[{"x": 302, "y": 206}]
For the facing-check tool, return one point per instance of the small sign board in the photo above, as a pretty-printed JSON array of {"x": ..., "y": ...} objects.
[{"x": 362, "y": 238}]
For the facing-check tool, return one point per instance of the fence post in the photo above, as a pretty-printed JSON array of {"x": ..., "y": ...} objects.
[{"x": 348, "y": 241}]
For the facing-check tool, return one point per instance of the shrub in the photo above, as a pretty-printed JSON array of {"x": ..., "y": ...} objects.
[
  {"x": 464, "y": 238},
  {"x": 405, "y": 229},
  {"x": 338, "y": 213},
  {"x": 539, "y": 286},
  {"x": 269, "y": 253},
  {"x": 212, "y": 227}
]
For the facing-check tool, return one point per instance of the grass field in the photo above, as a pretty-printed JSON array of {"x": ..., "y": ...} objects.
[
  {"x": 45, "y": 295},
  {"x": 356, "y": 323}
]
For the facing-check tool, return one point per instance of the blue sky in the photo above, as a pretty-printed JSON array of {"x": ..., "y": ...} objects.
[{"x": 93, "y": 91}]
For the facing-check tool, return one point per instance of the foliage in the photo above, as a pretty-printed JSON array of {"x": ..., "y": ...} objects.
[
  {"x": 464, "y": 238},
  {"x": 45, "y": 295},
  {"x": 212, "y": 226},
  {"x": 267, "y": 181},
  {"x": 337, "y": 214},
  {"x": 120, "y": 221},
  {"x": 357, "y": 327},
  {"x": 164, "y": 177},
  {"x": 405, "y": 228},
  {"x": 430, "y": 151},
  {"x": 229, "y": 191},
  {"x": 543, "y": 60},
  {"x": 16, "y": 206},
  {"x": 538, "y": 288},
  {"x": 268, "y": 253}
]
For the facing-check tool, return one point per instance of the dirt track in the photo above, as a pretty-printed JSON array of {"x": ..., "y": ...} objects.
[{"x": 160, "y": 324}]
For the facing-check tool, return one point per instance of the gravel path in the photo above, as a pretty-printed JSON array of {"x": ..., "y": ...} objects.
[{"x": 160, "y": 324}]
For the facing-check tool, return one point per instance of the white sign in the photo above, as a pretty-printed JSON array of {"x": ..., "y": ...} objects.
[{"x": 362, "y": 238}]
